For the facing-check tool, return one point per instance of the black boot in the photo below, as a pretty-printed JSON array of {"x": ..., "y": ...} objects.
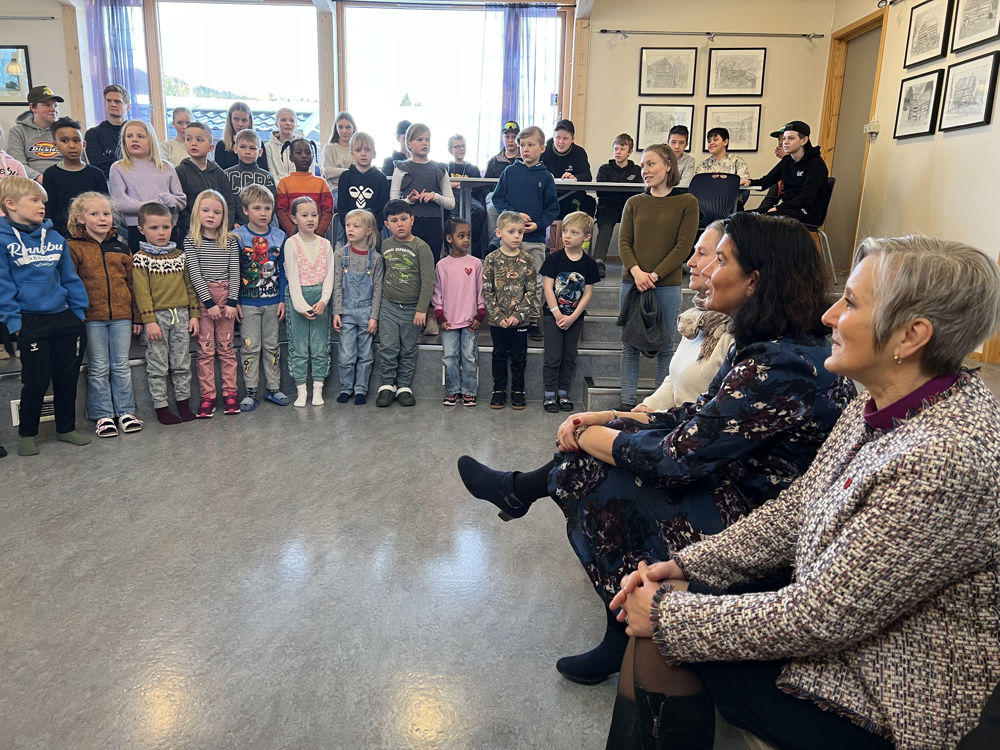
[
  {"x": 622, "y": 734},
  {"x": 675, "y": 722},
  {"x": 600, "y": 663}
]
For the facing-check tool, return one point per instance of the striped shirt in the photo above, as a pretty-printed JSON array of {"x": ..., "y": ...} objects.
[{"x": 209, "y": 262}]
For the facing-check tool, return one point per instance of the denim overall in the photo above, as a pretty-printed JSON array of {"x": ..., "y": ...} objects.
[{"x": 356, "y": 344}]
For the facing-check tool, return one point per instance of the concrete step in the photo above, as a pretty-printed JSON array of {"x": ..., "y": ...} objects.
[{"x": 602, "y": 393}]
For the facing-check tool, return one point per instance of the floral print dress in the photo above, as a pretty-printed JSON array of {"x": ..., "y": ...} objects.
[{"x": 698, "y": 468}]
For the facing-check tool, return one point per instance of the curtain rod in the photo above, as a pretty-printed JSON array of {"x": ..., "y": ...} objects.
[
  {"x": 711, "y": 34},
  {"x": 27, "y": 18},
  {"x": 447, "y": 4}
]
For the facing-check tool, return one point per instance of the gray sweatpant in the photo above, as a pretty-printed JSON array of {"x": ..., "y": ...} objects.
[
  {"x": 259, "y": 330},
  {"x": 538, "y": 251},
  {"x": 172, "y": 354}
]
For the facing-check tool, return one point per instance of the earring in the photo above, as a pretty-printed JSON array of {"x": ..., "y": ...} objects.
[{"x": 897, "y": 359}]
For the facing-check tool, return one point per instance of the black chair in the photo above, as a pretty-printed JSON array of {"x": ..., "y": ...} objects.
[
  {"x": 716, "y": 193},
  {"x": 817, "y": 227}
]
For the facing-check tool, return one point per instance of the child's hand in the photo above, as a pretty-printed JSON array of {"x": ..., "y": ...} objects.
[
  {"x": 446, "y": 326},
  {"x": 420, "y": 319},
  {"x": 474, "y": 326},
  {"x": 153, "y": 332},
  {"x": 309, "y": 314},
  {"x": 319, "y": 307},
  {"x": 529, "y": 227},
  {"x": 337, "y": 324},
  {"x": 137, "y": 329},
  {"x": 194, "y": 325},
  {"x": 565, "y": 321},
  {"x": 427, "y": 196},
  {"x": 568, "y": 176},
  {"x": 239, "y": 313},
  {"x": 228, "y": 312},
  {"x": 214, "y": 312},
  {"x": 237, "y": 225},
  {"x": 525, "y": 216},
  {"x": 413, "y": 197},
  {"x": 372, "y": 326},
  {"x": 281, "y": 311}
]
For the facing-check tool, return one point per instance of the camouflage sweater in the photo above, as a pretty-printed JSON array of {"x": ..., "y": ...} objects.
[{"x": 509, "y": 287}]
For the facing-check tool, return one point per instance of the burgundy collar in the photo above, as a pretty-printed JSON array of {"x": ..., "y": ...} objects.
[{"x": 890, "y": 416}]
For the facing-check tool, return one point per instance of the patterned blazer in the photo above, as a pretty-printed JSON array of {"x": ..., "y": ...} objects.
[{"x": 892, "y": 617}]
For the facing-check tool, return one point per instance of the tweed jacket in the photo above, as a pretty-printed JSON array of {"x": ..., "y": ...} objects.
[{"x": 891, "y": 619}]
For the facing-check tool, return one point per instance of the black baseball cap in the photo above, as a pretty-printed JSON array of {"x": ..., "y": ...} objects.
[
  {"x": 797, "y": 125},
  {"x": 511, "y": 127},
  {"x": 42, "y": 94},
  {"x": 565, "y": 125},
  {"x": 402, "y": 127}
]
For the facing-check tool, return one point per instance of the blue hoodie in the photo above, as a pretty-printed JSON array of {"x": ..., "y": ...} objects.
[
  {"x": 36, "y": 277},
  {"x": 528, "y": 190}
]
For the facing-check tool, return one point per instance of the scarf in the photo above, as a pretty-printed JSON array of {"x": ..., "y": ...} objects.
[{"x": 698, "y": 318}]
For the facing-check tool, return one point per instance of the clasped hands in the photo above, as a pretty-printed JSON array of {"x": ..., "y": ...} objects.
[{"x": 636, "y": 595}]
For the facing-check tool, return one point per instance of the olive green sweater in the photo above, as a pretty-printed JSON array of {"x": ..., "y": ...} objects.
[{"x": 658, "y": 234}]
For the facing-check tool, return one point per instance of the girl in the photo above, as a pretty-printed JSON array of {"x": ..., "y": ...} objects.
[
  {"x": 173, "y": 150},
  {"x": 303, "y": 183},
  {"x": 213, "y": 260},
  {"x": 309, "y": 269},
  {"x": 337, "y": 153},
  {"x": 141, "y": 176},
  {"x": 357, "y": 296},
  {"x": 425, "y": 186},
  {"x": 105, "y": 267},
  {"x": 239, "y": 118},
  {"x": 658, "y": 228},
  {"x": 278, "y": 162}
]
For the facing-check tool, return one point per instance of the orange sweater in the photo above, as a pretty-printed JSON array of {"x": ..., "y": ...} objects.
[{"x": 299, "y": 184}]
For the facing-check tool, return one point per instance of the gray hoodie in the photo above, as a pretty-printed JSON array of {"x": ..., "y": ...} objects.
[{"x": 31, "y": 145}]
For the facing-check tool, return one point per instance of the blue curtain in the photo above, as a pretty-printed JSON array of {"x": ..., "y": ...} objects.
[
  {"x": 527, "y": 50},
  {"x": 116, "y": 37}
]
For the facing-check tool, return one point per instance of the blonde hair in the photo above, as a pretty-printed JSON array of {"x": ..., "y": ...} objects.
[
  {"x": 335, "y": 136},
  {"x": 154, "y": 152},
  {"x": 74, "y": 221},
  {"x": 16, "y": 187},
  {"x": 229, "y": 133},
  {"x": 534, "y": 132},
  {"x": 369, "y": 221},
  {"x": 247, "y": 134},
  {"x": 510, "y": 217},
  {"x": 362, "y": 139},
  {"x": 256, "y": 193},
  {"x": 585, "y": 222},
  {"x": 194, "y": 229}
]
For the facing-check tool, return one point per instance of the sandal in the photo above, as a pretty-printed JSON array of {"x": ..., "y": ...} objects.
[
  {"x": 130, "y": 423},
  {"x": 106, "y": 428}
]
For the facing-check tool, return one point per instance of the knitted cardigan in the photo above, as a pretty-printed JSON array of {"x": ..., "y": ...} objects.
[{"x": 892, "y": 616}]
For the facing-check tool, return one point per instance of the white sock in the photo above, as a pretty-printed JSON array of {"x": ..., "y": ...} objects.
[
  {"x": 300, "y": 399},
  {"x": 317, "y": 394}
]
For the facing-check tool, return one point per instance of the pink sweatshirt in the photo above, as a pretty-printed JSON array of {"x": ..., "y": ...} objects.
[
  {"x": 458, "y": 291},
  {"x": 9, "y": 166}
]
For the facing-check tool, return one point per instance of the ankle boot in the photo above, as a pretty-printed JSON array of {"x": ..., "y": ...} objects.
[
  {"x": 674, "y": 722},
  {"x": 599, "y": 663},
  {"x": 622, "y": 732}
]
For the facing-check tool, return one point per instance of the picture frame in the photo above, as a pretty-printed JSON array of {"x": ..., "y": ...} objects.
[
  {"x": 976, "y": 22},
  {"x": 655, "y": 121},
  {"x": 927, "y": 37},
  {"x": 736, "y": 71},
  {"x": 15, "y": 75},
  {"x": 968, "y": 93},
  {"x": 741, "y": 120},
  {"x": 667, "y": 71},
  {"x": 917, "y": 109}
]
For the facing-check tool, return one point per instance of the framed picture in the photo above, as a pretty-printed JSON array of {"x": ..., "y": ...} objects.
[
  {"x": 667, "y": 71},
  {"x": 655, "y": 121},
  {"x": 976, "y": 22},
  {"x": 741, "y": 120},
  {"x": 968, "y": 93},
  {"x": 15, "y": 75},
  {"x": 927, "y": 38},
  {"x": 736, "y": 72},
  {"x": 917, "y": 110}
]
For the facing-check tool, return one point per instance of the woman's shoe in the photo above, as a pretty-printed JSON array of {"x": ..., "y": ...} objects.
[
  {"x": 599, "y": 663},
  {"x": 496, "y": 487}
]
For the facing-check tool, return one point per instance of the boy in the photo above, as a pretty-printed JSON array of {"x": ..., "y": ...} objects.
[
  {"x": 677, "y": 141},
  {"x": 567, "y": 161},
  {"x": 610, "y": 205},
  {"x": 245, "y": 172},
  {"x": 527, "y": 188},
  {"x": 389, "y": 165},
  {"x": 406, "y": 293},
  {"x": 495, "y": 167},
  {"x": 509, "y": 291},
  {"x": 104, "y": 141},
  {"x": 459, "y": 308},
  {"x": 262, "y": 288},
  {"x": 803, "y": 176},
  {"x": 197, "y": 173},
  {"x": 361, "y": 186},
  {"x": 719, "y": 159},
  {"x": 168, "y": 307},
  {"x": 30, "y": 140},
  {"x": 71, "y": 176},
  {"x": 41, "y": 296},
  {"x": 569, "y": 276}
]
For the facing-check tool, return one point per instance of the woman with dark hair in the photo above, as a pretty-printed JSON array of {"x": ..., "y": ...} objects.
[{"x": 636, "y": 486}]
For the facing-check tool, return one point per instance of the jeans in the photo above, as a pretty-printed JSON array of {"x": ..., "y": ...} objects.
[
  {"x": 669, "y": 298},
  {"x": 461, "y": 361},
  {"x": 356, "y": 354},
  {"x": 606, "y": 221},
  {"x": 109, "y": 378}
]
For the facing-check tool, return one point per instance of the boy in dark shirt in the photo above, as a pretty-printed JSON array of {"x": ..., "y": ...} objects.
[
  {"x": 362, "y": 186},
  {"x": 198, "y": 173},
  {"x": 245, "y": 172},
  {"x": 70, "y": 177},
  {"x": 388, "y": 166},
  {"x": 611, "y": 204},
  {"x": 567, "y": 161},
  {"x": 104, "y": 141}
]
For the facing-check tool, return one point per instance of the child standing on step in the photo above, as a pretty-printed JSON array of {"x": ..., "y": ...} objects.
[
  {"x": 309, "y": 269},
  {"x": 357, "y": 297},
  {"x": 459, "y": 308},
  {"x": 213, "y": 258}
]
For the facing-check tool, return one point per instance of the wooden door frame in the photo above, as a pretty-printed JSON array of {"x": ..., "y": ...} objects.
[{"x": 834, "y": 90}]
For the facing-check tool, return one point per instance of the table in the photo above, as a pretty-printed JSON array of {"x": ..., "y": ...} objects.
[{"x": 467, "y": 184}]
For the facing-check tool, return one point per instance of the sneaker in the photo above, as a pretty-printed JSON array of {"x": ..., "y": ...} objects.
[
  {"x": 499, "y": 400},
  {"x": 276, "y": 397},
  {"x": 550, "y": 404},
  {"x": 360, "y": 399},
  {"x": 601, "y": 269},
  {"x": 385, "y": 395},
  {"x": 405, "y": 397},
  {"x": 450, "y": 399},
  {"x": 249, "y": 402},
  {"x": 535, "y": 333},
  {"x": 517, "y": 400},
  {"x": 344, "y": 397},
  {"x": 468, "y": 400},
  {"x": 229, "y": 404},
  {"x": 206, "y": 409},
  {"x": 565, "y": 404}
]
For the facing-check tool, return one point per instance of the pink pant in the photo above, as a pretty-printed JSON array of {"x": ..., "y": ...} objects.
[{"x": 215, "y": 337}]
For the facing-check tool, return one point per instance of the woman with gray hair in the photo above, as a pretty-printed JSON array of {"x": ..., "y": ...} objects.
[{"x": 887, "y": 634}]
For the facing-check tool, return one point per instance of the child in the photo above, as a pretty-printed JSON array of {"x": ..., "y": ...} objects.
[
  {"x": 246, "y": 172},
  {"x": 528, "y": 188},
  {"x": 389, "y": 165},
  {"x": 213, "y": 261},
  {"x": 357, "y": 297},
  {"x": 406, "y": 293},
  {"x": 337, "y": 153},
  {"x": 458, "y": 168},
  {"x": 198, "y": 173},
  {"x": 460, "y": 309},
  {"x": 70, "y": 177},
  {"x": 423, "y": 184},
  {"x": 677, "y": 141},
  {"x": 361, "y": 186},
  {"x": 173, "y": 149},
  {"x": 278, "y": 162},
  {"x": 239, "y": 117},
  {"x": 42, "y": 297},
  {"x": 142, "y": 177},
  {"x": 611, "y": 204},
  {"x": 303, "y": 183},
  {"x": 9, "y": 166},
  {"x": 262, "y": 295},
  {"x": 169, "y": 309},
  {"x": 569, "y": 276},
  {"x": 567, "y": 160},
  {"x": 104, "y": 263},
  {"x": 309, "y": 269},
  {"x": 509, "y": 292}
]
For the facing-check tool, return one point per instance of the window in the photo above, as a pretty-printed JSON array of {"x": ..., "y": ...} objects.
[{"x": 117, "y": 38}]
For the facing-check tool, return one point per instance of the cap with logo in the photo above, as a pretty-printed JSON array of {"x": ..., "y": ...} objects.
[
  {"x": 797, "y": 125},
  {"x": 42, "y": 94}
]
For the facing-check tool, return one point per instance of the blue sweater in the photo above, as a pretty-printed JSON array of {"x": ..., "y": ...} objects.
[
  {"x": 36, "y": 276},
  {"x": 528, "y": 190},
  {"x": 262, "y": 274}
]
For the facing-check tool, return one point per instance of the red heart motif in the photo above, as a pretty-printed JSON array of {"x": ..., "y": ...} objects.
[{"x": 468, "y": 272}]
